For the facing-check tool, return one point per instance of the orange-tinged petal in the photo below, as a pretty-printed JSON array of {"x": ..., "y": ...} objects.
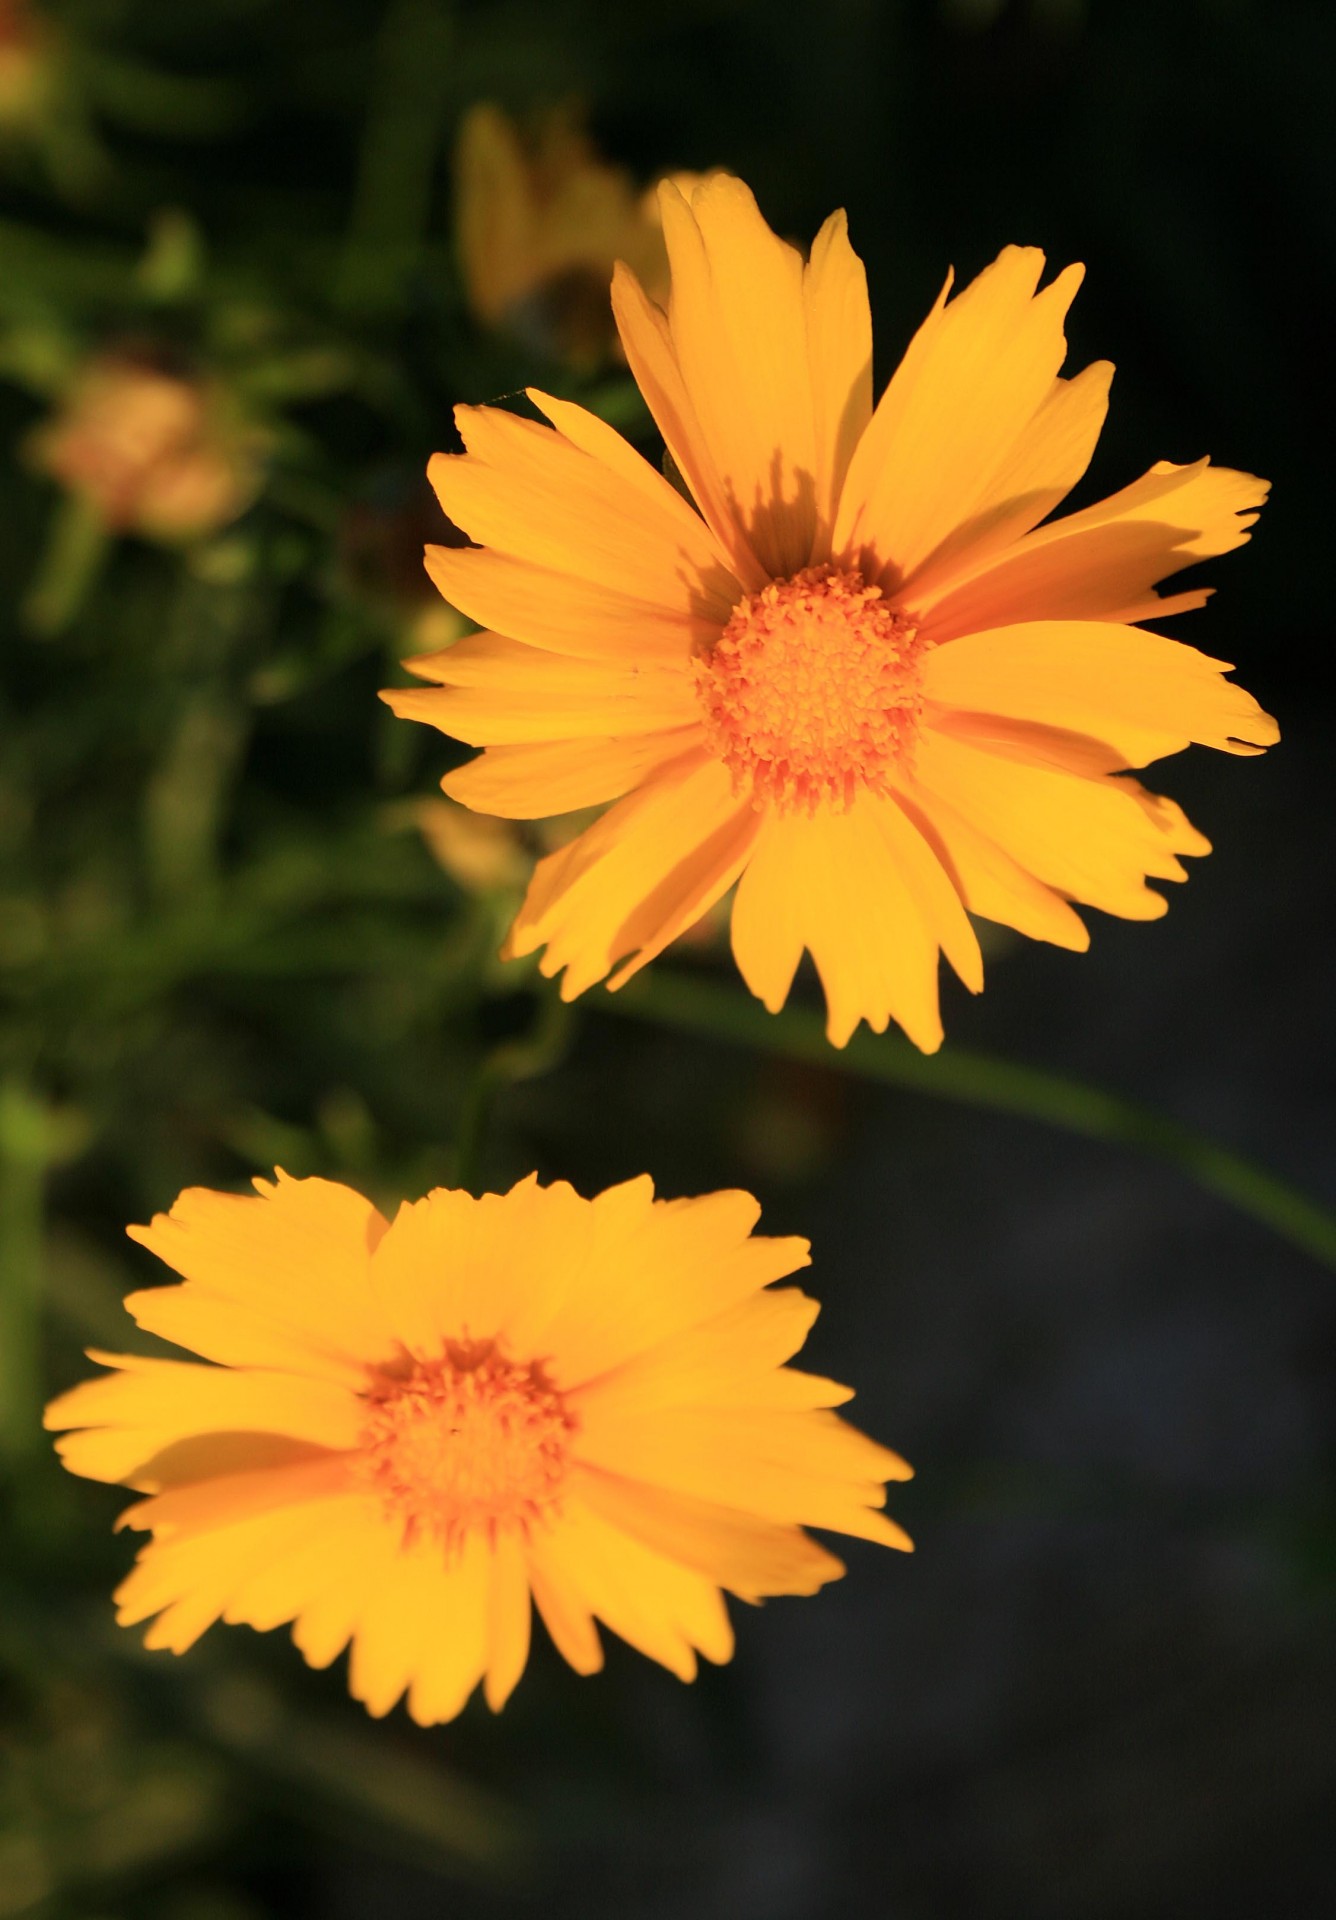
[
  {"x": 976, "y": 374},
  {"x": 1101, "y": 564},
  {"x": 498, "y": 692},
  {"x": 1085, "y": 837},
  {"x": 639, "y": 876},
  {"x": 1142, "y": 694},
  {"x": 747, "y": 1556},
  {"x": 528, "y": 491},
  {"x": 533, "y": 782},
  {"x": 865, "y": 895},
  {"x": 563, "y": 613},
  {"x": 739, "y": 331}
]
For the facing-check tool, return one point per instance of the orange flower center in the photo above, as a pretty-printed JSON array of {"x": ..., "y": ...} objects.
[
  {"x": 813, "y": 690},
  {"x": 472, "y": 1440}
]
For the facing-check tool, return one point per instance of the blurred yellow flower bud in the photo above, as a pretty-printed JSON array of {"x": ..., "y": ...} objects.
[
  {"x": 541, "y": 221},
  {"x": 24, "y": 64},
  {"x": 481, "y": 854},
  {"x": 151, "y": 452}
]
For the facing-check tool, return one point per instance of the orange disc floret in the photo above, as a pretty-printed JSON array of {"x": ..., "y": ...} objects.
[
  {"x": 400, "y": 1436},
  {"x": 812, "y": 690},
  {"x": 466, "y": 1442}
]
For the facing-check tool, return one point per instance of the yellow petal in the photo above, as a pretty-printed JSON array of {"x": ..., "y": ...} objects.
[
  {"x": 453, "y": 1265},
  {"x": 189, "y": 1579},
  {"x": 648, "y": 344},
  {"x": 422, "y": 1627},
  {"x": 990, "y": 882},
  {"x": 695, "y": 1259},
  {"x": 1102, "y": 563},
  {"x": 647, "y": 870},
  {"x": 839, "y": 353},
  {"x": 1045, "y": 463},
  {"x": 864, "y": 894},
  {"x": 1144, "y": 695},
  {"x": 508, "y": 1620},
  {"x": 739, "y": 331},
  {"x": 565, "y": 614},
  {"x": 535, "y": 781},
  {"x": 454, "y": 1649},
  {"x": 663, "y": 1609},
  {"x": 749, "y": 1557},
  {"x": 736, "y": 1358},
  {"x": 295, "y": 1256},
  {"x": 530, "y": 492},
  {"x": 497, "y": 692},
  {"x": 1084, "y": 837},
  {"x": 976, "y": 375},
  {"x": 560, "y": 1599},
  {"x": 149, "y": 1404},
  {"x": 802, "y": 1468}
]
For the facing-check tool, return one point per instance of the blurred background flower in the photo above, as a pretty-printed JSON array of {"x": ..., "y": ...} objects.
[
  {"x": 228, "y": 939},
  {"x": 541, "y": 220}
]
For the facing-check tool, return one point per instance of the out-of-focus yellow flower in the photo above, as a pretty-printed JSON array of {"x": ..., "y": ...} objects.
[
  {"x": 413, "y": 1427},
  {"x": 541, "y": 220},
  {"x": 481, "y": 854},
  {"x": 151, "y": 452},
  {"x": 25, "y": 55},
  {"x": 857, "y": 678}
]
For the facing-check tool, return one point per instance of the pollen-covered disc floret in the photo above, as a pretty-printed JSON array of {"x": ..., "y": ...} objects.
[
  {"x": 813, "y": 690},
  {"x": 470, "y": 1441}
]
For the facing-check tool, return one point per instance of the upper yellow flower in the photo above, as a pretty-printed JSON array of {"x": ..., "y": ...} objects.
[
  {"x": 857, "y": 678},
  {"x": 414, "y": 1426}
]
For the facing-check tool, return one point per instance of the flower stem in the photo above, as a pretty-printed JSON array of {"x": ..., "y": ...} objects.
[{"x": 980, "y": 1080}]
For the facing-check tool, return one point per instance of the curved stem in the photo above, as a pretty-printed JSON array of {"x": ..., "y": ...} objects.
[{"x": 980, "y": 1080}]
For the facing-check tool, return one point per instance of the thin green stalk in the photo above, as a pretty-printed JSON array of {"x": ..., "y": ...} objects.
[{"x": 720, "y": 1013}]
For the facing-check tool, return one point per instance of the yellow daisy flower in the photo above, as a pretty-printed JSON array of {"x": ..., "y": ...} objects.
[
  {"x": 856, "y": 678},
  {"x": 413, "y": 1426}
]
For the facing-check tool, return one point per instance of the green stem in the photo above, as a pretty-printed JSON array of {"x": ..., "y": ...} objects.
[{"x": 720, "y": 1013}]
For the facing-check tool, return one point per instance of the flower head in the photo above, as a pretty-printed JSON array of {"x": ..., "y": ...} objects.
[
  {"x": 152, "y": 452},
  {"x": 853, "y": 675},
  {"x": 410, "y": 1428}
]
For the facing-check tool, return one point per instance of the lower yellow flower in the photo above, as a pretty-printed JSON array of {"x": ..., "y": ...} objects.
[{"x": 412, "y": 1427}]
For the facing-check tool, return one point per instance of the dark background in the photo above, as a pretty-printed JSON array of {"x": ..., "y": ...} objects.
[{"x": 1102, "y": 1688}]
